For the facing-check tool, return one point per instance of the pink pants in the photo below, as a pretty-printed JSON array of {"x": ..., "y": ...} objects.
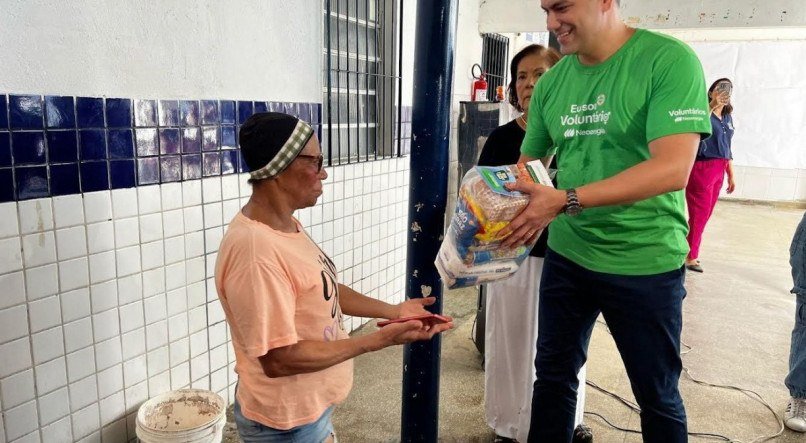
[{"x": 702, "y": 192}]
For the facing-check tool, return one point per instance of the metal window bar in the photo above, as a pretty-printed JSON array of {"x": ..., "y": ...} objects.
[
  {"x": 338, "y": 85},
  {"x": 367, "y": 75},
  {"x": 386, "y": 103},
  {"x": 329, "y": 82},
  {"x": 365, "y": 70},
  {"x": 399, "y": 82},
  {"x": 495, "y": 53},
  {"x": 349, "y": 50},
  {"x": 382, "y": 71}
]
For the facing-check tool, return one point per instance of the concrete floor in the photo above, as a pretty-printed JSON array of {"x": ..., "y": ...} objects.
[{"x": 738, "y": 317}]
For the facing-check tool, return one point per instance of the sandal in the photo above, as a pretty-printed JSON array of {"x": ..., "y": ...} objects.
[{"x": 695, "y": 266}]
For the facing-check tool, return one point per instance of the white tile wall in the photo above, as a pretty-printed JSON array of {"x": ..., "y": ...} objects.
[
  {"x": 35, "y": 215},
  {"x": 74, "y": 274},
  {"x": 16, "y": 356},
  {"x": 104, "y": 295},
  {"x": 86, "y": 421},
  {"x": 83, "y": 393},
  {"x": 51, "y": 375},
  {"x": 45, "y": 313},
  {"x": 171, "y": 194},
  {"x": 110, "y": 381},
  {"x": 78, "y": 334},
  {"x": 21, "y": 420},
  {"x": 68, "y": 211},
  {"x": 102, "y": 266},
  {"x": 13, "y": 323},
  {"x": 54, "y": 406},
  {"x": 71, "y": 242},
  {"x": 41, "y": 282},
  {"x": 18, "y": 388},
  {"x": 124, "y": 203},
  {"x": 108, "y": 353},
  {"x": 13, "y": 293},
  {"x": 98, "y": 206},
  {"x": 47, "y": 345},
  {"x": 80, "y": 364},
  {"x": 113, "y": 407},
  {"x": 100, "y": 237},
  {"x": 59, "y": 431},
  {"x": 768, "y": 184},
  {"x": 108, "y": 297},
  {"x": 39, "y": 249}
]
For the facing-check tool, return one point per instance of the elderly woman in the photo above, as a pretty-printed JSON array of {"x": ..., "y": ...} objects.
[
  {"x": 282, "y": 299},
  {"x": 511, "y": 322}
]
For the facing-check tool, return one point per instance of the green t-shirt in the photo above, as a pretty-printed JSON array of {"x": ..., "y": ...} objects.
[{"x": 601, "y": 119}]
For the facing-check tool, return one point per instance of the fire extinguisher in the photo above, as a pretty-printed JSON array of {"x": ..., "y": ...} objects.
[{"x": 479, "y": 92}]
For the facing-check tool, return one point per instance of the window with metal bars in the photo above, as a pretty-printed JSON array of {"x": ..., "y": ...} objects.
[
  {"x": 362, "y": 84},
  {"x": 495, "y": 52}
]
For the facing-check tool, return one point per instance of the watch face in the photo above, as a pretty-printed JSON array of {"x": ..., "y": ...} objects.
[{"x": 573, "y": 210}]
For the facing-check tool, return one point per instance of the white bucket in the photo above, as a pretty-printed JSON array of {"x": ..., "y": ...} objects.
[{"x": 185, "y": 415}]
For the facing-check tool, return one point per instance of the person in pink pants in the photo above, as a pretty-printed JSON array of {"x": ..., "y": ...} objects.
[{"x": 714, "y": 160}]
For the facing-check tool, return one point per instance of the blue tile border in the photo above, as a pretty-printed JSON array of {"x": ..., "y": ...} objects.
[{"x": 60, "y": 145}]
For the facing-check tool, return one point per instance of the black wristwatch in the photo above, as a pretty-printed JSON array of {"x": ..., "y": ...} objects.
[{"x": 572, "y": 207}]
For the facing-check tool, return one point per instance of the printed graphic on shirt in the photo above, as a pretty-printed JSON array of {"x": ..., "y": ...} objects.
[
  {"x": 593, "y": 116},
  {"x": 330, "y": 291},
  {"x": 687, "y": 115}
]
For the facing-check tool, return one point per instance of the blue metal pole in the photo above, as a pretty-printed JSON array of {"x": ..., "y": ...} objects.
[{"x": 433, "y": 78}]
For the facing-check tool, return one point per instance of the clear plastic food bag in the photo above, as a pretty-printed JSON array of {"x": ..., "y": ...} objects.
[{"x": 471, "y": 252}]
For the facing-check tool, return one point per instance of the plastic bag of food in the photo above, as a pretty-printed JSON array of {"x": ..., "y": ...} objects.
[{"x": 471, "y": 252}]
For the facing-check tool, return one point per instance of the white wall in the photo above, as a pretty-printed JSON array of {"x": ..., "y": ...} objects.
[
  {"x": 468, "y": 52},
  {"x": 769, "y": 80},
  {"x": 241, "y": 49},
  {"x": 764, "y": 62},
  {"x": 409, "y": 29},
  {"x": 108, "y": 296},
  {"x": 768, "y": 98},
  {"x": 526, "y": 15}
]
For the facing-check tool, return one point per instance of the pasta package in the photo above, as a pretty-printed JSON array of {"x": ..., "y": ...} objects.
[{"x": 471, "y": 252}]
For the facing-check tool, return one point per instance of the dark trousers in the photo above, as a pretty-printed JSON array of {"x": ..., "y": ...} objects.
[{"x": 644, "y": 314}]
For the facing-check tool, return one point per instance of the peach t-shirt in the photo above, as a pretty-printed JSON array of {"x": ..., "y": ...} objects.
[{"x": 279, "y": 288}]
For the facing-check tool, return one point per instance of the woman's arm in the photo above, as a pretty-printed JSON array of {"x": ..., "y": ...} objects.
[
  {"x": 311, "y": 356},
  {"x": 731, "y": 181},
  {"x": 359, "y": 305}
]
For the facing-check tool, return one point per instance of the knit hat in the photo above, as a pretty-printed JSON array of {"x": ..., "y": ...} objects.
[{"x": 270, "y": 141}]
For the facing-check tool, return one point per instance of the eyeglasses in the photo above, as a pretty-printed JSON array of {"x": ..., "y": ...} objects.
[{"x": 319, "y": 160}]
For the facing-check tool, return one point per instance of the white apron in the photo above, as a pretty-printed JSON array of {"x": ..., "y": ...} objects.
[{"x": 510, "y": 339}]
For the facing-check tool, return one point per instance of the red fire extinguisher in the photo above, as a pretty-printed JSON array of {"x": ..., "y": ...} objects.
[{"x": 479, "y": 92}]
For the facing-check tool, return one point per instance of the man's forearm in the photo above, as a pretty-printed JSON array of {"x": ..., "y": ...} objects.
[
  {"x": 644, "y": 180},
  {"x": 665, "y": 171},
  {"x": 359, "y": 305}
]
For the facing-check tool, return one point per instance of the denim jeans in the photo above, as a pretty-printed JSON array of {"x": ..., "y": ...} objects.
[
  {"x": 796, "y": 380},
  {"x": 644, "y": 314},
  {"x": 253, "y": 432}
]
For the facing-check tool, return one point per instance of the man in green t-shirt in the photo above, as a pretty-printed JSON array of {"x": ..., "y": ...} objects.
[{"x": 625, "y": 112}]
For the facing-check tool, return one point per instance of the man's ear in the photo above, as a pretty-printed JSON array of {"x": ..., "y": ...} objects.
[{"x": 607, "y": 5}]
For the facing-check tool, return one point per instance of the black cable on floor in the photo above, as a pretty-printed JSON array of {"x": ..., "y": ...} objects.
[
  {"x": 755, "y": 396},
  {"x": 637, "y": 410}
]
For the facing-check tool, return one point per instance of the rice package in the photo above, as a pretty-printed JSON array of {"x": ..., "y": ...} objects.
[{"x": 471, "y": 252}]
